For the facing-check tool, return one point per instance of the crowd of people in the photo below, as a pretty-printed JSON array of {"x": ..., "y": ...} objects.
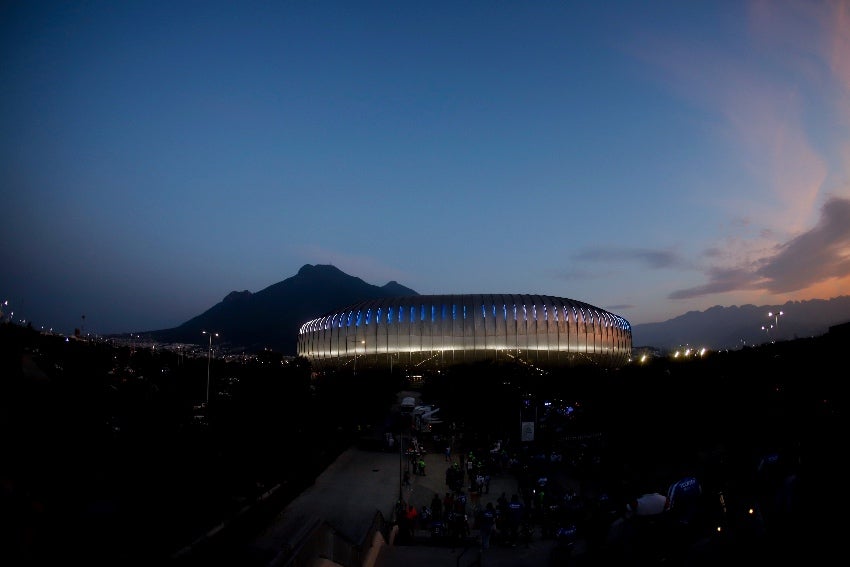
[
  {"x": 460, "y": 514},
  {"x": 579, "y": 518}
]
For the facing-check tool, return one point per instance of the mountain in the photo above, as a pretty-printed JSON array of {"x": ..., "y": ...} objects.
[
  {"x": 737, "y": 326},
  {"x": 271, "y": 318}
]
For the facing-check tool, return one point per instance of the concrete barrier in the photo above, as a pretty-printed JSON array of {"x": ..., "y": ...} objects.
[{"x": 378, "y": 542}]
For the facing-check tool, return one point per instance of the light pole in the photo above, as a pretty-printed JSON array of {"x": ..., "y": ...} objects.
[
  {"x": 209, "y": 358},
  {"x": 776, "y": 317},
  {"x": 400, "y": 463},
  {"x": 355, "y": 354}
]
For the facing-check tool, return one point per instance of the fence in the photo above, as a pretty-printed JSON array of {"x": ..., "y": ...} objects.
[{"x": 324, "y": 541}]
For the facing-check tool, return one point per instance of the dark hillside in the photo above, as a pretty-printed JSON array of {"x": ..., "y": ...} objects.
[{"x": 272, "y": 317}]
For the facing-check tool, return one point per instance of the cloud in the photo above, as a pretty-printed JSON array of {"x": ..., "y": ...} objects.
[
  {"x": 655, "y": 259},
  {"x": 838, "y": 42},
  {"x": 722, "y": 280},
  {"x": 652, "y": 259},
  {"x": 811, "y": 258},
  {"x": 760, "y": 94},
  {"x": 815, "y": 256}
]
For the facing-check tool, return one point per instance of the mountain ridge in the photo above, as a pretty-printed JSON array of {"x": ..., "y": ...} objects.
[
  {"x": 272, "y": 317},
  {"x": 736, "y": 326}
]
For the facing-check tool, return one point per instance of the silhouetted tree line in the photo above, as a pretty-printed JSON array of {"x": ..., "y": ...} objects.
[{"x": 109, "y": 453}]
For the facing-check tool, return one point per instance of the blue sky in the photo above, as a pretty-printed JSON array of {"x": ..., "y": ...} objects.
[{"x": 649, "y": 158}]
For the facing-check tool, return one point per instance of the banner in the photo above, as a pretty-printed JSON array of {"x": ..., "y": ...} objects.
[{"x": 527, "y": 433}]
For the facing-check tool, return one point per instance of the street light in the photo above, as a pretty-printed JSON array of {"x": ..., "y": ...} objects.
[
  {"x": 775, "y": 316},
  {"x": 355, "y": 355},
  {"x": 209, "y": 358}
]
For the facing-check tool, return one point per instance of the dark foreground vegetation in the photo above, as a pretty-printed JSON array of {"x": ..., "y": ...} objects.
[{"x": 110, "y": 457}]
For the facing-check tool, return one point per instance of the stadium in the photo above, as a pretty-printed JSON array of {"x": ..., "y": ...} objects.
[{"x": 434, "y": 331}]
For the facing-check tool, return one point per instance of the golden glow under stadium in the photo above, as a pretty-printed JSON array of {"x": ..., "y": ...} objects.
[{"x": 440, "y": 330}]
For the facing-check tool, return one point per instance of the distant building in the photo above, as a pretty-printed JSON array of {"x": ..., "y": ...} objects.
[{"x": 441, "y": 330}]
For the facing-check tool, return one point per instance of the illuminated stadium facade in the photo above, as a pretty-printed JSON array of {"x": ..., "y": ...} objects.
[{"x": 440, "y": 330}]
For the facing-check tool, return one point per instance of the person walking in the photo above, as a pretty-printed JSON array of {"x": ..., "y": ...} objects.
[
  {"x": 486, "y": 524},
  {"x": 516, "y": 518},
  {"x": 437, "y": 507},
  {"x": 411, "y": 520}
]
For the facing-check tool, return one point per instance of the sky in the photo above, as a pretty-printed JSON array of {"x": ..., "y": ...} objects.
[{"x": 649, "y": 158}]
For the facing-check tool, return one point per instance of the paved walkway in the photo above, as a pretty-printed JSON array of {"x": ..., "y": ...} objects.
[
  {"x": 359, "y": 483},
  {"x": 346, "y": 495}
]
